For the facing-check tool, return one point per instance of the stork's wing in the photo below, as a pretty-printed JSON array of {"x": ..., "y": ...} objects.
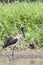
[{"x": 11, "y": 40}]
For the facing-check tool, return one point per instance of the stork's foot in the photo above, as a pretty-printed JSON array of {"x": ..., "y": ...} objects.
[
  {"x": 13, "y": 57},
  {"x": 9, "y": 58}
]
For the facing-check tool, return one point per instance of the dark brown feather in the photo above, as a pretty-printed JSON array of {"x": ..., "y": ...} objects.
[{"x": 11, "y": 40}]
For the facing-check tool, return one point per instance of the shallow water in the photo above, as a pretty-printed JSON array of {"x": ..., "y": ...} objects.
[{"x": 22, "y": 62}]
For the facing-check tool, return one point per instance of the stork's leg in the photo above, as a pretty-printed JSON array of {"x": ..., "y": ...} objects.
[
  {"x": 9, "y": 57},
  {"x": 6, "y": 54},
  {"x": 13, "y": 53}
]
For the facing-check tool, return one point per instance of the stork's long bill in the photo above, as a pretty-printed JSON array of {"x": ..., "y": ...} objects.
[{"x": 22, "y": 31}]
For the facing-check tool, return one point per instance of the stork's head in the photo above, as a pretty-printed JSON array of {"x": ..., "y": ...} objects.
[{"x": 22, "y": 31}]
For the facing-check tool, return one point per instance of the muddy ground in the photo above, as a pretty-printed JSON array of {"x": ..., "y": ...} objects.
[{"x": 28, "y": 53}]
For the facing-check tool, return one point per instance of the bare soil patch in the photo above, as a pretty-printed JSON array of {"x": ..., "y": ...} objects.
[{"x": 28, "y": 53}]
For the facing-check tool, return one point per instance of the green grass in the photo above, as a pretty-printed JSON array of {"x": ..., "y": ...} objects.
[{"x": 28, "y": 14}]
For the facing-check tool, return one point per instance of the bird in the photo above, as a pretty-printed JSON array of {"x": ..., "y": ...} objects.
[
  {"x": 12, "y": 40},
  {"x": 32, "y": 44}
]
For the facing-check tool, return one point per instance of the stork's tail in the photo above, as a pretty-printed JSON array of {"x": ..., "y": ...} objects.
[{"x": 4, "y": 46}]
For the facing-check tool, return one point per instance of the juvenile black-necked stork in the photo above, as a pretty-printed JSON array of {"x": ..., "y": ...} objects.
[{"x": 12, "y": 40}]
